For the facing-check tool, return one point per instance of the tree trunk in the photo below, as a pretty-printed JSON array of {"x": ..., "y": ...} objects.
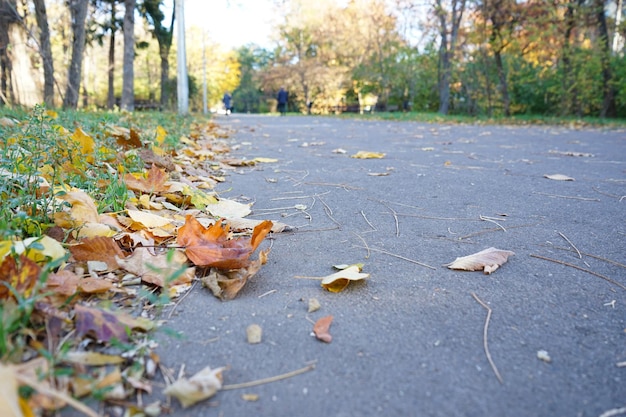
[
  {"x": 447, "y": 47},
  {"x": 78, "y": 11},
  {"x": 111, "y": 68},
  {"x": 128, "y": 77},
  {"x": 181, "y": 57},
  {"x": 8, "y": 17},
  {"x": 46, "y": 52},
  {"x": 608, "y": 91}
]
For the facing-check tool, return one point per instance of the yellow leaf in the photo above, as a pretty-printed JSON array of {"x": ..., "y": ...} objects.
[
  {"x": 86, "y": 142},
  {"x": 40, "y": 249},
  {"x": 94, "y": 230},
  {"x": 160, "y": 135},
  {"x": 199, "y": 198},
  {"x": 265, "y": 160},
  {"x": 148, "y": 220},
  {"x": 83, "y": 209},
  {"x": 368, "y": 155},
  {"x": 52, "y": 114},
  {"x": 339, "y": 281}
]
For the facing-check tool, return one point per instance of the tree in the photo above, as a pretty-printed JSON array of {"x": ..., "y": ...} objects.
[
  {"x": 608, "y": 92},
  {"x": 449, "y": 24},
  {"x": 152, "y": 12},
  {"x": 45, "y": 51},
  {"x": 128, "y": 77},
  {"x": 78, "y": 11}
]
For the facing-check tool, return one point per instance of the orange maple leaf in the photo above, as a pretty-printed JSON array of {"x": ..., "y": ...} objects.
[
  {"x": 98, "y": 248},
  {"x": 212, "y": 246},
  {"x": 153, "y": 183}
]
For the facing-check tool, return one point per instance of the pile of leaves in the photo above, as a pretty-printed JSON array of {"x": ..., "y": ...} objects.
[{"x": 102, "y": 228}]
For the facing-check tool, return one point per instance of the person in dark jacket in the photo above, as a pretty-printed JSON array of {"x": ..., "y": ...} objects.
[
  {"x": 227, "y": 100},
  {"x": 283, "y": 97}
]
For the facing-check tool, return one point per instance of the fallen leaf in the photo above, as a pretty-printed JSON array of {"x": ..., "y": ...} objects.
[
  {"x": 314, "y": 305},
  {"x": 228, "y": 209},
  {"x": 158, "y": 269},
  {"x": 338, "y": 281},
  {"x": 103, "y": 324},
  {"x": 368, "y": 155},
  {"x": 94, "y": 285},
  {"x": 265, "y": 160},
  {"x": 212, "y": 247},
  {"x": 321, "y": 329},
  {"x": 153, "y": 182},
  {"x": 83, "y": 209},
  {"x": 40, "y": 249},
  {"x": 226, "y": 284},
  {"x": 92, "y": 358},
  {"x": 9, "y": 398},
  {"x": 558, "y": 177},
  {"x": 100, "y": 248},
  {"x": 199, "y": 387},
  {"x": 487, "y": 260},
  {"x": 21, "y": 274},
  {"x": 378, "y": 174}
]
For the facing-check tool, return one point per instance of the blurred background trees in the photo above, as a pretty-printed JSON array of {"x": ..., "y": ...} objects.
[{"x": 472, "y": 57}]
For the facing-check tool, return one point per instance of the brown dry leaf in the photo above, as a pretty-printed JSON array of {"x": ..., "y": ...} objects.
[
  {"x": 212, "y": 246},
  {"x": 558, "y": 177},
  {"x": 487, "y": 260},
  {"x": 100, "y": 248},
  {"x": 321, "y": 329},
  {"x": 94, "y": 285},
  {"x": 154, "y": 181},
  {"x": 103, "y": 324},
  {"x": 340, "y": 280},
  {"x": 226, "y": 284},
  {"x": 126, "y": 138},
  {"x": 92, "y": 358},
  {"x": 199, "y": 387},
  {"x": 63, "y": 282},
  {"x": 158, "y": 269}
]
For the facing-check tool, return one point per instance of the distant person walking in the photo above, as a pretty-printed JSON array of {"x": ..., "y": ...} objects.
[
  {"x": 283, "y": 98},
  {"x": 227, "y": 100}
]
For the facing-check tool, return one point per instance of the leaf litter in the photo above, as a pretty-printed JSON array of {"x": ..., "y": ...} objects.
[{"x": 158, "y": 243}]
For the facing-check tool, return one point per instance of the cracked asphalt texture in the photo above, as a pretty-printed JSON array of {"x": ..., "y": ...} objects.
[{"x": 409, "y": 341}]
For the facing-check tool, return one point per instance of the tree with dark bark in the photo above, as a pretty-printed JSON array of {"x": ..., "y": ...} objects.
[
  {"x": 78, "y": 11},
  {"x": 8, "y": 17},
  {"x": 449, "y": 24},
  {"x": 128, "y": 72},
  {"x": 151, "y": 9},
  {"x": 45, "y": 51}
]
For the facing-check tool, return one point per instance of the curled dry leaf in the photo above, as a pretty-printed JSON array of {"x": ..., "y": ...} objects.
[
  {"x": 340, "y": 280},
  {"x": 487, "y": 260},
  {"x": 161, "y": 269},
  {"x": 558, "y": 177},
  {"x": 322, "y": 327},
  {"x": 226, "y": 284},
  {"x": 213, "y": 246},
  {"x": 199, "y": 387}
]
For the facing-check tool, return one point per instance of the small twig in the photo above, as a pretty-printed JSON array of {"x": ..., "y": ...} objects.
[
  {"x": 614, "y": 412},
  {"x": 600, "y": 258},
  {"x": 368, "y": 222},
  {"x": 420, "y": 216},
  {"x": 485, "y": 344},
  {"x": 567, "y": 196},
  {"x": 365, "y": 243},
  {"x": 395, "y": 217},
  {"x": 328, "y": 184},
  {"x": 169, "y": 315},
  {"x": 267, "y": 293},
  {"x": 581, "y": 269},
  {"x": 571, "y": 244},
  {"x": 307, "y": 277},
  {"x": 488, "y": 219},
  {"x": 270, "y": 379},
  {"x": 395, "y": 256},
  {"x": 328, "y": 210}
]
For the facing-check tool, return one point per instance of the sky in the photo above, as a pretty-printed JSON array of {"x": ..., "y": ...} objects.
[{"x": 232, "y": 23}]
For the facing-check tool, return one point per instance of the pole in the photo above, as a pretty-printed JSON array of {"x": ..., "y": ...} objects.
[{"x": 181, "y": 57}]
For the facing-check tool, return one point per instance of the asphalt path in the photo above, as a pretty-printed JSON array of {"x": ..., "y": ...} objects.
[{"x": 410, "y": 340}]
